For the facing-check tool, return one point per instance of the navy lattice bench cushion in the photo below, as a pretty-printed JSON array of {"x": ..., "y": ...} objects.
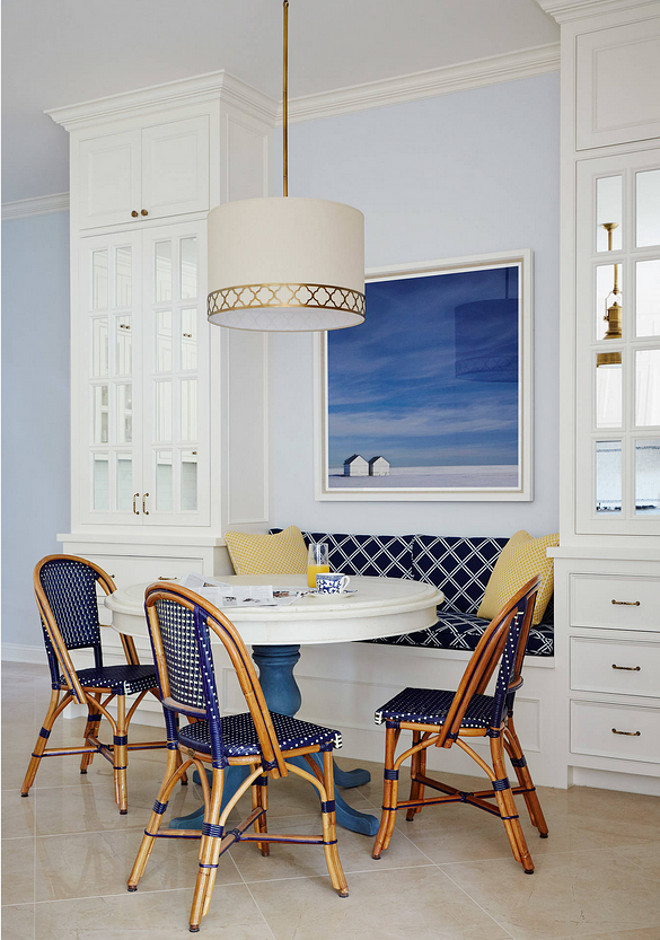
[{"x": 460, "y": 567}]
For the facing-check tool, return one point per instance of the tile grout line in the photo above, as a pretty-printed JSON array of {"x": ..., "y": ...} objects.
[{"x": 474, "y": 901}]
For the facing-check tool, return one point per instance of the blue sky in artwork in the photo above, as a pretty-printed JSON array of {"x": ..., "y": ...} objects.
[{"x": 429, "y": 379}]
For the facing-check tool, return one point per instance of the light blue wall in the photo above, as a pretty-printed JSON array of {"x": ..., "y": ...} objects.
[
  {"x": 471, "y": 173},
  {"x": 35, "y": 410}
]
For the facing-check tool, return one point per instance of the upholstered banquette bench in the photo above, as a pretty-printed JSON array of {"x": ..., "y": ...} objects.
[{"x": 460, "y": 567}]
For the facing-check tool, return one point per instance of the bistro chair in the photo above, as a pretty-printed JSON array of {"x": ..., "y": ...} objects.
[
  {"x": 181, "y": 624},
  {"x": 444, "y": 718},
  {"x": 65, "y": 588}
]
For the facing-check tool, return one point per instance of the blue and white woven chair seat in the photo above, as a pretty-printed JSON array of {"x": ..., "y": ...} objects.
[
  {"x": 430, "y": 707},
  {"x": 122, "y": 680},
  {"x": 240, "y": 739}
]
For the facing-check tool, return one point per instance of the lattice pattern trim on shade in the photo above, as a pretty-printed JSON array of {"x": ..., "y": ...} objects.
[{"x": 318, "y": 296}]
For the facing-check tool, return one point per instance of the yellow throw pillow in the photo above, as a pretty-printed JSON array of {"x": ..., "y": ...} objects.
[
  {"x": 521, "y": 558},
  {"x": 282, "y": 553}
]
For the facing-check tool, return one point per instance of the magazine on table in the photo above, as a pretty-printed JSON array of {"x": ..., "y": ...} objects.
[{"x": 223, "y": 594}]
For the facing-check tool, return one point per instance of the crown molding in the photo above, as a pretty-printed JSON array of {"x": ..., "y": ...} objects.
[
  {"x": 428, "y": 84},
  {"x": 201, "y": 88},
  {"x": 564, "y": 11},
  {"x": 223, "y": 85},
  {"x": 38, "y": 205}
]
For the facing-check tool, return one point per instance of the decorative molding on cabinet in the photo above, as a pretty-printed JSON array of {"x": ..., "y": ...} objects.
[
  {"x": 37, "y": 205},
  {"x": 200, "y": 88},
  {"x": 565, "y": 10}
]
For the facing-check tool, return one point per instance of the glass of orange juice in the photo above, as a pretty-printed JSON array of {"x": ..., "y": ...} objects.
[{"x": 317, "y": 562}]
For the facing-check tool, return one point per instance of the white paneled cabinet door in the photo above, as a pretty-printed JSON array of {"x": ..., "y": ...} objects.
[
  {"x": 175, "y": 168},
  {"x": 154, "y": 173},
  {"x": 176, "y": 377},
  {"x": 110, "y": 379},
  {"x": 144, "y": 383},
  {"x": 111, "y": 179}
]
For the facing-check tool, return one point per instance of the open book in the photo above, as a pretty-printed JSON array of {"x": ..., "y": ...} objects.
[{"x": 223, "y": 594}]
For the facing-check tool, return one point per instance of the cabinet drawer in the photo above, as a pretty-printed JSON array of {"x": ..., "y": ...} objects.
[
  {"x": 620, "y": 731},
  {"x": 134, "y": 569},
  {"x": 619, "y": 666},
  {"x": 604, "y": 601}
]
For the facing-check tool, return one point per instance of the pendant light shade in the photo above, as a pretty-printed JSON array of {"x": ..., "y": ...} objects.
[{"x": 286, "y": 264}]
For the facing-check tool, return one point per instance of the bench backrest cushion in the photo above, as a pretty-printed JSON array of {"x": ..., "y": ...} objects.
[
  {"x": 459, "y": 566},
  {"x": 375, "y": 556}
]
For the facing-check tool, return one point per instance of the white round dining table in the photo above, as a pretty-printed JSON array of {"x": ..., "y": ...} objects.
[{"x": 377, "y": 607}]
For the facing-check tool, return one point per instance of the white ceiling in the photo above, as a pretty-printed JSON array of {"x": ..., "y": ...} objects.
[{"x": 61, "y": 52}]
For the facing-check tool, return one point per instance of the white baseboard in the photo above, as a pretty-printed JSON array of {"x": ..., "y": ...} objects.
[{"x": 18, "y": 653}]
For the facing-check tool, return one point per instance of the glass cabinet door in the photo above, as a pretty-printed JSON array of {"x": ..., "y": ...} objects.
[
  {"x": 111, "y": 466},
  {"x": 618, "y": 345},
  {"x": 175, "y": 392}
]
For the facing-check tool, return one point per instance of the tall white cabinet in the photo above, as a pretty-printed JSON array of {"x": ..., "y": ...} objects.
[
  {"x": 169, "y": 416},
  {"x": 607, "y": 568}
]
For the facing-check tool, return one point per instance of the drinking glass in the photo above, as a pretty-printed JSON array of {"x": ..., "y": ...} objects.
[{"x": 317, "y": 562}]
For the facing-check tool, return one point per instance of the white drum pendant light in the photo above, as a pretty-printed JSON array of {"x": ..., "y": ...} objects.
[{"x": 286, "y": 264}]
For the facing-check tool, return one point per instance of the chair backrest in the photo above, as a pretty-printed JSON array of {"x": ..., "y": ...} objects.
[
  {"x": 503, "y": 643},
  {"x": 180, "y": 627},
  {"x": 65, "y": 590}
]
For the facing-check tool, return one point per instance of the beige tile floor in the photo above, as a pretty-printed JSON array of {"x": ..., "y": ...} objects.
[{"x": 66, "y": 853}]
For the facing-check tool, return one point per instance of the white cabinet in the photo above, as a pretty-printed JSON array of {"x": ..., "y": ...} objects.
[
  {"x": 169, "y": 422},
  {"x": 153, "y": 172},
  {"x": 143, "y": 389},
  {"x": 607, "y": 567}
]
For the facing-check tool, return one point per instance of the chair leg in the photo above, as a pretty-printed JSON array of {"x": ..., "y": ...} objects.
[
  {"x": 329, "y": 822},
  {"x": 91, "y": 728},
  {"x": 417, "y": 769},
  {"x": 209, "y": 853},
  {"x": 156, "y": 818},
  {"x": 519, "y": 763},
  {"x": 507, "y": 808},
  {"x": 120, "y": 756},
  {"x": 40, "y": 745},
  {"x": 260, "y": 798},
  {"x": 390, "y": 795}
]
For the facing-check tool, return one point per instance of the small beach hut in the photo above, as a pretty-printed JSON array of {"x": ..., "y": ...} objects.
[
  {"x": 379, "y": 467},
  {"x": 356, "y": 466}
]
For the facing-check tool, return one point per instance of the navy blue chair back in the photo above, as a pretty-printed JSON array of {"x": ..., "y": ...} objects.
[
  {"x": 65, "y": 588},
  {"x": 180, "y": 627}
]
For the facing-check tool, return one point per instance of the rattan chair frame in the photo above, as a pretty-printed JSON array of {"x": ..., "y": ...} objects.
[
  {"x": 97, "y": 699},
  {"x": 271, "y": 762},
  {"x": 510, "y": 626}
]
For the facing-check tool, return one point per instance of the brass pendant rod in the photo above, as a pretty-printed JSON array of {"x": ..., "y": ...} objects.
[{"x": 285, "y": 101}]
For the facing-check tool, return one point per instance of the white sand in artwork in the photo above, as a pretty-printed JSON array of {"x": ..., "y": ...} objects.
[{"x": 429, "y": 478}]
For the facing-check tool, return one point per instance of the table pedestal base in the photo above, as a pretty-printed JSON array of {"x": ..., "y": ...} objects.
[{"x": 276, "y": 665}]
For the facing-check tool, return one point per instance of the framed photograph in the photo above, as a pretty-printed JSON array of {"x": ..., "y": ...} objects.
[{"x": 431, "y": 398}]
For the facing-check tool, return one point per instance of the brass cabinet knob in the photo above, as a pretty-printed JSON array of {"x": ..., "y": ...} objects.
[
  {"x": 134, "y": 214},
  {"x": 143, "y": 212}
]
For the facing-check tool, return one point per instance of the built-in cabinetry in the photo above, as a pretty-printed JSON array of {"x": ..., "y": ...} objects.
[
  {"x": 607, "y": 568},
  {"x": 168, "y": 414}
]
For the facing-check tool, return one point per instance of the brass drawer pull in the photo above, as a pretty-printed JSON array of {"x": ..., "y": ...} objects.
[
  {"x": 134, "y": 214},
  {"x": 632, "y": 734},
  {"x": 135, "y": 509},
  {"x": 145, "y": 497},
  {"x": 626, "y": 603},
  {"x": 162, "y": 577},
  {"x": 628, "y": 668}
]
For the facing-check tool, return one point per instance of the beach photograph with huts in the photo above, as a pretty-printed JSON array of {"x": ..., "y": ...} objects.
[{"x": 425, "y": 394}]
